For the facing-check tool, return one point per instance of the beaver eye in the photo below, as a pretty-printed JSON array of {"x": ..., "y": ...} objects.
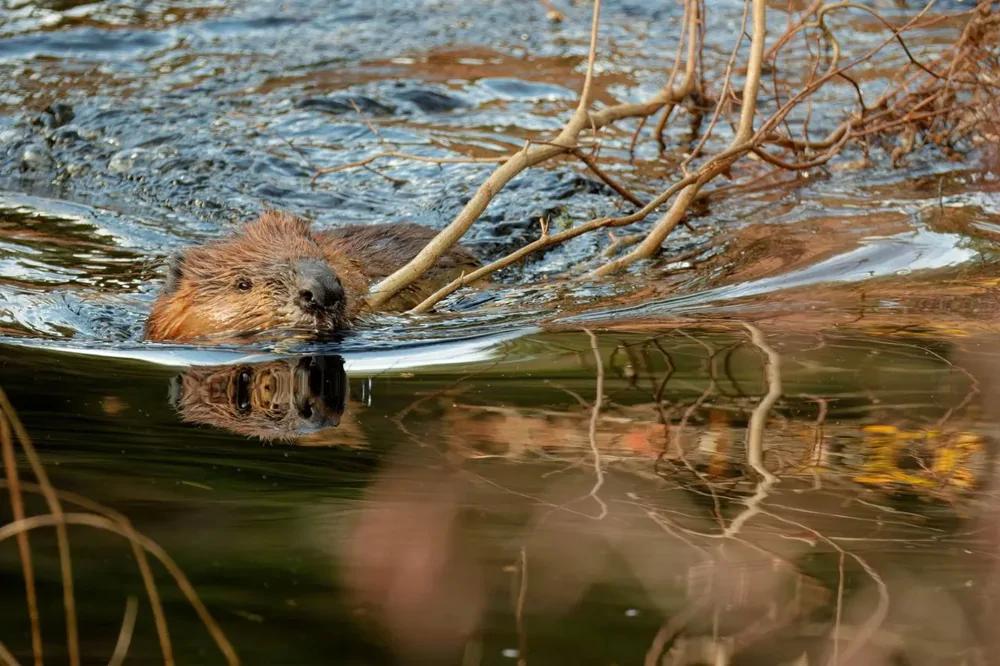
[{"x": 244, "y": 284}]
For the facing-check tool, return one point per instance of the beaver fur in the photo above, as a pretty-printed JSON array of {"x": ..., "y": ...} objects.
[{"x": 277, "y": 273}]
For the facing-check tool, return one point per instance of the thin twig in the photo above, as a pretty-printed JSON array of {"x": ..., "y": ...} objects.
[
  {"x": 528, "y": 156},
  {"x": 689, "y": 85},
  {"x": 608, "y": 180},
  {"x": 125, "y": 633},
  {"x": 396, "y": 154},
  {"x": 62, "y": 538},
  {"x": 648, "y": 247},
  {"x": 522, "y": 594},
  {"x": 23, "y": 544}
]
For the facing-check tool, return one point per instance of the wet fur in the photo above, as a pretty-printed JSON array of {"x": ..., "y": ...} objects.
[{"x": 200, "y": 299}]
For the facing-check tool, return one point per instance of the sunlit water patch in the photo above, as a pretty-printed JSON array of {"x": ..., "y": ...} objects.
[{"x": 876, "y": 257}]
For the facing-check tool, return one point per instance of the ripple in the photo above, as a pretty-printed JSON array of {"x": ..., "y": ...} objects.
[{"x": 85, "y": 43}]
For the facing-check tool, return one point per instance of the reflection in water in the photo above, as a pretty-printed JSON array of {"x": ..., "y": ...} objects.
[
  {"x": 712, "y": 495},
  {"x": 273, "y": 400}
]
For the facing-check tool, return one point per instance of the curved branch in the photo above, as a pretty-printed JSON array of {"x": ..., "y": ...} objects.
[
  {"x": 692, "y": 20},
  {"x": 23, "y": 544},
  {"x": 530, "y": 155},
  {"x": 104, "y": 523},
  {"x": 548, "y": 240},
  {"x": 526, "y": 157},
  {"x": 62, "y": 538},
  {"x": 741, "y": 142},
  {"x": 755, "y": 431}
]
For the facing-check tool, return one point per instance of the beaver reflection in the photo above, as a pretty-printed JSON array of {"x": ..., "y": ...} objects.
[{"x": 274, "y": 400}]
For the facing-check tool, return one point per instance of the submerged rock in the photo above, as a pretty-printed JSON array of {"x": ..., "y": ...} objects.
[
  {"x": 55, "y": 115},
  {"x": 431, "y": 101},
  {"x": 340, "y": 104}
]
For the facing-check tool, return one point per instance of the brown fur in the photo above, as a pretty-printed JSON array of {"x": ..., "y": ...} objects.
[{"x": 201, "y": 300}]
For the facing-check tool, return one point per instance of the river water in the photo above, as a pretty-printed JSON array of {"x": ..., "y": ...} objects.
[{"x": 776, "y": 444}]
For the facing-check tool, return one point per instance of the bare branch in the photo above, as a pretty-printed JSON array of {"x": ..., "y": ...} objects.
[
  {"x": 905, "y": 110},
  {"x": 692, "y": 20},
  {"x": 548, "y": 241},
  {"x": 526, "y": 157},
  {"x": 739, "y": 145}
]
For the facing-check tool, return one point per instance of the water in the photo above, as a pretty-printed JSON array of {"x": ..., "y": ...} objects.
[
  {"x": 776, "y": 444},
  {"x": 463, "y": 512}
]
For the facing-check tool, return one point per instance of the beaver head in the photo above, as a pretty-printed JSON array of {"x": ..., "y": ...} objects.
[{"x": 272, "y": 274}]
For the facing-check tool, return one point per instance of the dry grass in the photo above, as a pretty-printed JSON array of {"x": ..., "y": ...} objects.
[{"x": 95, "y": 516}]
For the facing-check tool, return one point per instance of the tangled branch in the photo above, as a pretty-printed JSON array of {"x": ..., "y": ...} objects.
[{"x": 946, "y": 100}]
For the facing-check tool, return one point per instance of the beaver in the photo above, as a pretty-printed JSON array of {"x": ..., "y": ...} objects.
[{"x": 278, "y": 273}]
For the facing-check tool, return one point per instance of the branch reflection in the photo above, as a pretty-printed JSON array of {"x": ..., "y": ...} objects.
[{"x": 721, "y": 494}]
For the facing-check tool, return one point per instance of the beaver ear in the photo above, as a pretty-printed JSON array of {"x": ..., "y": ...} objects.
[{"x": 175, "y": 271}]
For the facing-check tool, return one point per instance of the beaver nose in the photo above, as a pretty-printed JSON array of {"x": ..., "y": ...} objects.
[{"x": 318, "y": 286}]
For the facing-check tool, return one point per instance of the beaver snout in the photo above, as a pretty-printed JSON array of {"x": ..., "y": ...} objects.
[{"x": 319, "y": 288}]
